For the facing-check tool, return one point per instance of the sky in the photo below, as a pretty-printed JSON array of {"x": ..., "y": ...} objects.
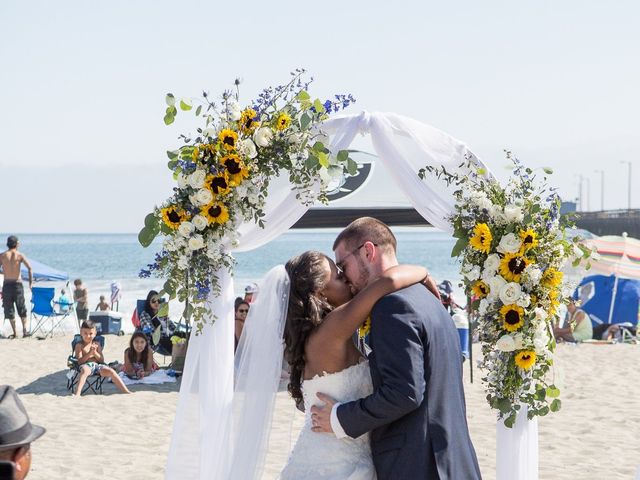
[{"x": 82, "y": 141}]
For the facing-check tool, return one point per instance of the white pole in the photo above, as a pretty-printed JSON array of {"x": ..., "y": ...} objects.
[{"x": 613, "y": 298}]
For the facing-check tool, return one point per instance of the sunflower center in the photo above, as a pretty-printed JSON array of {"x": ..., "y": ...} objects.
[
  {"x": 516, "y": 265},
  {"x": 232, "y": 166},
  {"x": 526, "y": 357},
  {"x": 512, "y": 317},
  {"x": 228, "y": 140},
  {"x": 214, "y": 211},
  {"x": 217, "y": 184},
  {"x": 528, "y": 239},
  {"x": 173, "y": 216}
]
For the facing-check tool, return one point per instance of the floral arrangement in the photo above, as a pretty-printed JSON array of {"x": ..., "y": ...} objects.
[
  {"x": 222, "y": 176},
  {"x": 512, "y": 245}
]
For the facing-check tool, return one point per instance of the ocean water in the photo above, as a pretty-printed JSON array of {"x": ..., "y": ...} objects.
[{"x": 99, "y": 259}]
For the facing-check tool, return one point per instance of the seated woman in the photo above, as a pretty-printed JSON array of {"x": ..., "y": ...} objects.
[
  {"x": 138, "y": 357},
  {"x": 578, "y": 325},
  {"x": 150, "y": 320}
]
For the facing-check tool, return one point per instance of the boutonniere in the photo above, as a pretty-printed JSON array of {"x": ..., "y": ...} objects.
[{"x": 364, "y": 329}]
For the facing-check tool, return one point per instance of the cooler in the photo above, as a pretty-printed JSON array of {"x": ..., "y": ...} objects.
[{"x": 107, "y": 322}]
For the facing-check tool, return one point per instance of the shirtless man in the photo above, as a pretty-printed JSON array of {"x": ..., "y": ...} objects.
[{"x": 12, "y": 291}]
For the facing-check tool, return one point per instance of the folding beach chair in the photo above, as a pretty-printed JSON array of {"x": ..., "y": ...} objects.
[
  {"x": 43, "y": 311},
  {"x": 94, "y": 382}
]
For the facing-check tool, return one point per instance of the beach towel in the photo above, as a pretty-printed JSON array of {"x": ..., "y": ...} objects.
[{"x": 157, "y": 377}]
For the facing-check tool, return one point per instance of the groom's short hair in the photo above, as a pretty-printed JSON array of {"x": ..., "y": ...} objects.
[{"x": 367, "y": 229}]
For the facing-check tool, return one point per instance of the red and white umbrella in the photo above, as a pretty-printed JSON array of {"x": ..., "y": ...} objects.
[{"x": 618, "y": 256}]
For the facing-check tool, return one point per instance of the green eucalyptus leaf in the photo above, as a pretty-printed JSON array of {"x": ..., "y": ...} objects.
[
  {"x": 185, "y": 104},
  {"x": 150, "y": 220},
  {"x": 311, "y": 162},
  {"x": 146, "y": 236},
  {"x": 198, "y": 110},
  {"x": 553, "y": 392},
  {"x": 459, "y": 247},
  {"x": 319, "y": 107},
  {"x": 172, "y": 154},
  {"x": 352, "y": 167},
  {"x": 163, "y": 311},
  {"x": 305, "y": 120},
  {"x": 343, "y": 155},
  {"x": 303, "y": 96},
  {"x": 170, "y": 99},
  {"x": 323, "y": 159},
  {"x": 510, "y": 421},
  {"x": 556, "y": 405},
  {"x": 547, "y": 170}
]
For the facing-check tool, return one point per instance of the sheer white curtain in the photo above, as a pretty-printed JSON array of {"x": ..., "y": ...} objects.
[
  {"x": 517, "y": 449},
  {"x": 202, "y": 426}
]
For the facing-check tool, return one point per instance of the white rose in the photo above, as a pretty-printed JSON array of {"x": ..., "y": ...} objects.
[
  {"x": 506, "y": 344},
  {"x": 235, "y": 112},
  {"x": 249, "y": 148},
  {"x": 540, "y": 313},
  {"x": 185, "y": 229},
  {"x": 196, "y": 179},
  {"x": 263, "y": 136},
  {"x": 510, "y": 293},
  {"x": 183, "y": 181},
  {"x": 509, "y": 243},
  {"x": 199, "y": 222},
  {"x": 533, "y": 274},
  {"x": 513, "y": 213},
  {"x": 196, "y": 242},
  {"x": 495, "y": 286},
  {"x": 203, "y": 196},
  {"x": 491, "y": 264}
]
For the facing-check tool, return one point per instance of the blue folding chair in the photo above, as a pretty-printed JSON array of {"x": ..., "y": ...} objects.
[
  {"x": 43, "y": 310},
  {"x": 94, "y": 382}
]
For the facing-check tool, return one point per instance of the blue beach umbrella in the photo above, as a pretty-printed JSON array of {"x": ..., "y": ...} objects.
[{"x": 41, "y": 272}]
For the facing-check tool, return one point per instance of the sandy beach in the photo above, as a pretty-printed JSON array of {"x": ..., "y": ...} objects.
[{"x": 115, "y": 436}]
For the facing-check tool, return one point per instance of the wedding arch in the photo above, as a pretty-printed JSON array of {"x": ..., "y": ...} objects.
[{"x": 204, "y": 412}]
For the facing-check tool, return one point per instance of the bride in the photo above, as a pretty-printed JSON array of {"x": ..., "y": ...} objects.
[
  {"x": 321, "y": 320},
  {"x": 309, "y": 297}
]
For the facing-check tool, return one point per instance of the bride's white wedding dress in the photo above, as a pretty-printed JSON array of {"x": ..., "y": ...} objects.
[{"x": 322, "y": 456}]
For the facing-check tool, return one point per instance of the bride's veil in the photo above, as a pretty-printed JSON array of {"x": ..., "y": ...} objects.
[{"x": 258, "y": 365}]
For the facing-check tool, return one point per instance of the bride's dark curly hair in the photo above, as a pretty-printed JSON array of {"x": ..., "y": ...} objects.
[{"x": 305, "y": 313}]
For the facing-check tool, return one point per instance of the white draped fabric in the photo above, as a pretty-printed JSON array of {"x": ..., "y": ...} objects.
[
  {"x": 203, "y": 426},
  {"x": 517, "y": 449}
]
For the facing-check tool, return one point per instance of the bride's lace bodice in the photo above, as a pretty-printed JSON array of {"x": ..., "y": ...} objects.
[{"x": 322, "y": 455}]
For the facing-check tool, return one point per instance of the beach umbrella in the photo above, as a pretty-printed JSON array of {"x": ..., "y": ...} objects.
[
  {"x": 618, "y": 256},
  {"x": 41, "y": 272}
]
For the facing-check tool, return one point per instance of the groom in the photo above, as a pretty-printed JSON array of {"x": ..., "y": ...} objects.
[{"x": 416, "y": 413}]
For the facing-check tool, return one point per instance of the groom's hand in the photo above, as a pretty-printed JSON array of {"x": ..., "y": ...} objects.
[{"x": 321, "y": 416}]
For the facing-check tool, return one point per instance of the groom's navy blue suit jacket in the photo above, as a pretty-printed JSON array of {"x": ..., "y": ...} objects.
[{"x": 416, "y": 414}]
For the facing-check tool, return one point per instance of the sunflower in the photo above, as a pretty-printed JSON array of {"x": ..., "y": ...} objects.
[
  {"x": 512, "y": 266},
  {"x": 236, "y": 169},
  {"x": 215, "y": 212},
  {"x": 525, "y": 359},
  {"x": 218, "y": 184},
  {"x": 529, "y": 240},
  {"x": 365, "y": 328},
  {"x": 551, "y": 278},
  {"x": 482, "y": 237},
  {"x": 228, "y": 139},
  {"x": 173, "y": 216},
  {"x": 283, "y": 121},
  {"x": 195, "y": 154},
  {"x": 512, "y": 317},
  {"x": 249, "y": 120},
  {"x": 480, "y": 289},
  {"x": 554, "y": 303}
]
